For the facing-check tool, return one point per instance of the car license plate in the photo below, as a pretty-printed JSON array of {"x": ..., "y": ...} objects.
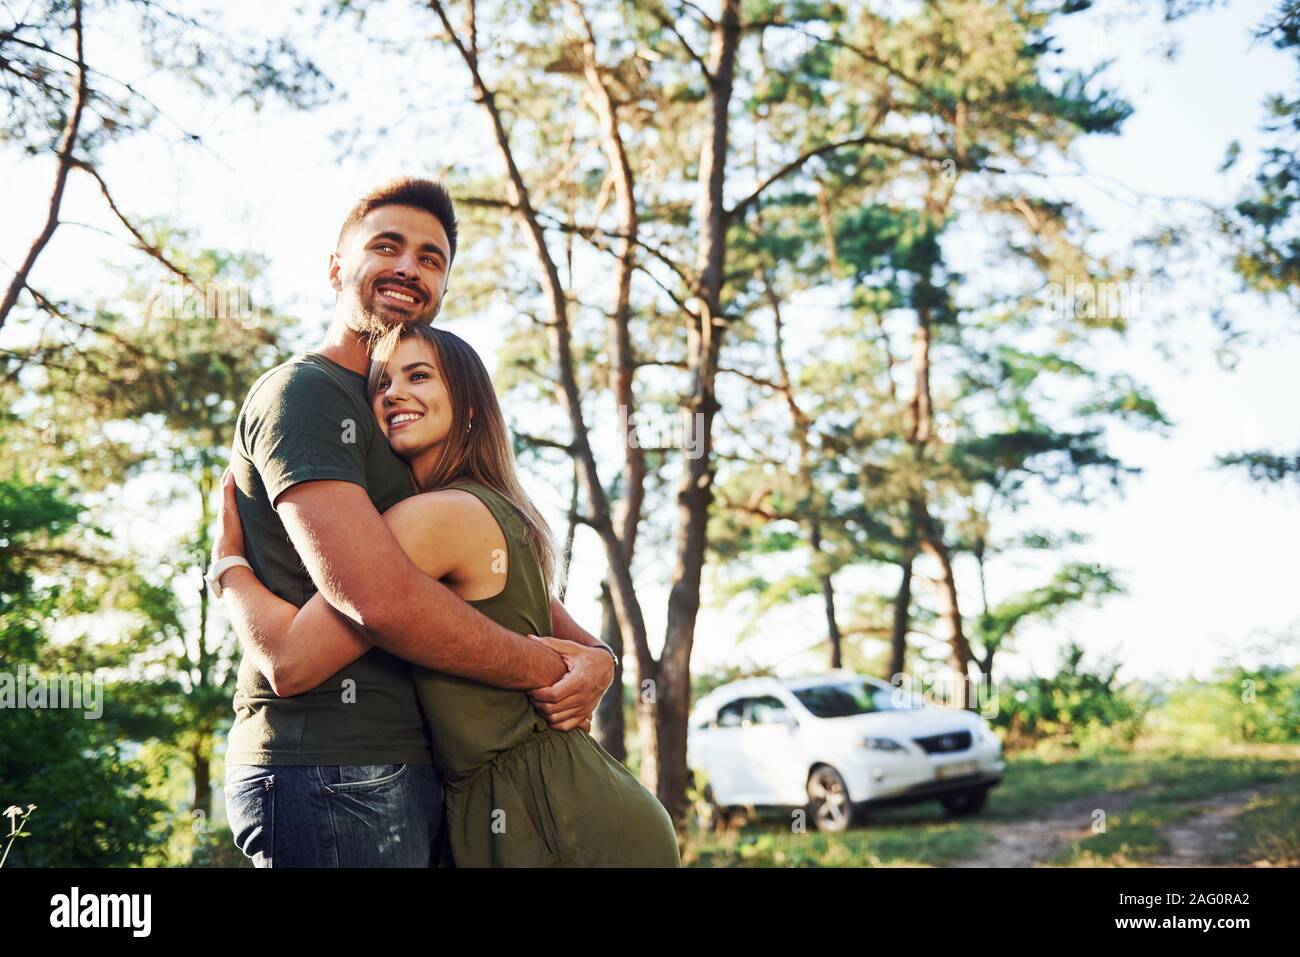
[{"x": 955, "y": 770}]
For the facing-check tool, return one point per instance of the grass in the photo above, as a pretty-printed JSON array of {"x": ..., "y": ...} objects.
[
  {"x": 1160, "y": 785},
  {"x": 1269, "y": 828},
  {"x": 1266, "y": 831},
  {"x": 1173, "y": 789},
  {"x": 1034, "y": 780},
  {"x": 933, "y": 846}
]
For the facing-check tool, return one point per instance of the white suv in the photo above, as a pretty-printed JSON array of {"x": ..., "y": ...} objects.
[{"x": 838, "y": 744}]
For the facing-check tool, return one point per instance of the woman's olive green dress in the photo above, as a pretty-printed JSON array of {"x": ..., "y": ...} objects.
[{"x": 517, "y": 793}]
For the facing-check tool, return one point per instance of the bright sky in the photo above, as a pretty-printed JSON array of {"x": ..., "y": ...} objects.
[{"x": 1207, "y": 556}]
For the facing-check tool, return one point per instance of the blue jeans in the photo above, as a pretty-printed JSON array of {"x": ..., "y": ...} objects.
[{"x": 369, "y": 815}]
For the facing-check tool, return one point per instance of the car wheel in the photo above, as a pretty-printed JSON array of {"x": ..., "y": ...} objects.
[
  {"x": 828, "y": 800},
  {"x": 965, "y": 802},
  {"x": 707, "y": 813},
  {"x": 715, "y": 815}
]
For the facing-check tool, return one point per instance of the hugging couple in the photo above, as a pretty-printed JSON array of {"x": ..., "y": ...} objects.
[{"x": 411, "y": 693}]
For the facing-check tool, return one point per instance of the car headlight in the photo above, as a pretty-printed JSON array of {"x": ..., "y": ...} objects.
[{"x": 880, "y": 744}]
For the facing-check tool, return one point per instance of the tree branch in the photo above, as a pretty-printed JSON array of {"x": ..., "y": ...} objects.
[
  {"x": 737, "y": 211},
  {"x": 586, "y": 232},
  {"x": 66, "y": 147},
  {"x": 144, "y": 244},
  {"x": 540, "y": 442},
  {"x": 665, "y": 20},
  {"x": 47, "y": 306}
]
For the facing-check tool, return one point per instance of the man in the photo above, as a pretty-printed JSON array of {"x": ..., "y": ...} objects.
[{"x": 342, "y": 775}]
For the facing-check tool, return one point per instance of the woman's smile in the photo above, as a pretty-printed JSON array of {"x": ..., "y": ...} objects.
[{"x": 398, "y": 418}]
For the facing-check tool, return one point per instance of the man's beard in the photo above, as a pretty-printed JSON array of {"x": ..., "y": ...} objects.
[{"x": 371, "y": 324}]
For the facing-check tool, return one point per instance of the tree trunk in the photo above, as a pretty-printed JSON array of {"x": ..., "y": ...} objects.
[
  {"x": 985, "y": 664},
  {"x": 646, "y": 695},
  {"x": 902, "y": 616},
  {"x": 959, "y": 654},
  {"x": 802, "y": 427},
  {"x": 202, "y": 777},
  {"x": 928, "y": 532},
  {"x": 608, "y": 725},
  {"x": 695, "y": 490},
  {"x": 832, "y": 627},
  {"x": 622, "y": 361},
  {"x": 626, "y": 605},
  {"x": 828, "y": 600},
  {"x": 672, "y": 689}
]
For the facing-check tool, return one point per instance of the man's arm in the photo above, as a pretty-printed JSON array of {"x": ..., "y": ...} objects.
[
  {"x": 362, "y": 571},
  {"x": 295, "y": 649}
]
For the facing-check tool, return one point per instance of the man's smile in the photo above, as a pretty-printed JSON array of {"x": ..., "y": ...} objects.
[{"x": 402, "y": 294}]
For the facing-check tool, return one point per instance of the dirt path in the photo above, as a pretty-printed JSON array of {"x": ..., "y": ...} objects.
[
  {"x": 1193, "y": 842},
  {"x": 1201, "y": 840}
]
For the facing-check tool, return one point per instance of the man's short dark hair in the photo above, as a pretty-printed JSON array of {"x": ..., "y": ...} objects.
[{"x": 426, "y": 194}]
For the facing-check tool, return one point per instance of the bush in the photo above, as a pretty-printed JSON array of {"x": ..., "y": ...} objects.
[
  {"x": 1076, "y": 707},
  {"x": 91, "y": 805},
  {"x": 92, "y": 809},
  {"x": 1259, "y": 706}
]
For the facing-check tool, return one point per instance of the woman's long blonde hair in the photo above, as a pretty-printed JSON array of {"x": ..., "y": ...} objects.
[{"x": 478, "y": 447}]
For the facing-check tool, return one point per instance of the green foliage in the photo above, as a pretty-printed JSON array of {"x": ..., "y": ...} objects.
[
  {"x": 34, "y": 520},
  {"x": 1077, "y": 707},
  {"x": 188, "y": 354},
  {"x": 888, "y": 241},
  {"x": 1052, "y": 456},
  {"x": 1263, "y": 466},
  {"x": 1250, "y": 706},
  {"x": 92, "y": 808},
  {"x": 1072, "y": 584},
  {"x": 1264, "y": 225}
]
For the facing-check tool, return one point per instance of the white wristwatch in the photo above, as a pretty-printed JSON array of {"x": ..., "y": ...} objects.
[{"x": 213, "y": 577}]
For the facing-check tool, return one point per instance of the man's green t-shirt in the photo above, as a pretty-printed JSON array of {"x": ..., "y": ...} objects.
[{"x": 307, "y": 420}]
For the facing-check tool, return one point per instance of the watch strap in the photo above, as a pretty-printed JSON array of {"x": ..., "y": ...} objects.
[{"x": 219, "y": 568}]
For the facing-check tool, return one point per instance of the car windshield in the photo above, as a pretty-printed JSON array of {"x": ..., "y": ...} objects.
[{"x": 848, "y": 698}]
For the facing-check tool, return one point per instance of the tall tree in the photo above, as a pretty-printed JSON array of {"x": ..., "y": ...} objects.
[
  {"x": 1264, "y": 225},
  {"x": 59, "y": 105},
  {"x": 90, "y": 806},
  {"x": 163, "y": 376}
]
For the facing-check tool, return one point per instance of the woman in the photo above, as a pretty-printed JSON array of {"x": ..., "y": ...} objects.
[{"x": 518, "y": 793}]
